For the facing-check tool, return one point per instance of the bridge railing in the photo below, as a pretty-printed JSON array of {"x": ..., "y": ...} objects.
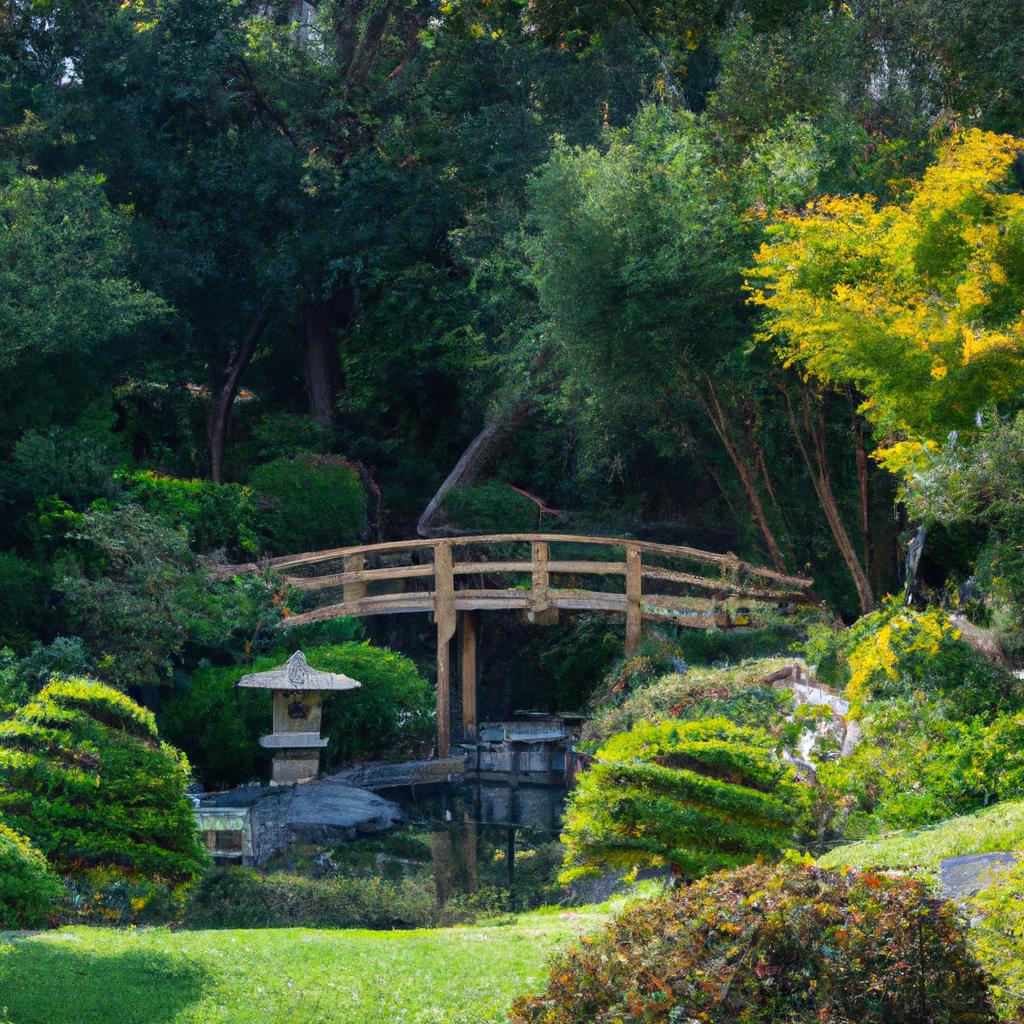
[{"x": 438, "y": 576}]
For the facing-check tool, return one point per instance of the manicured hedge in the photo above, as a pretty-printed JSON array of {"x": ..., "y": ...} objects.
[
  {"x": 84, "y": 775},
  {"x": 310, "y": 502},
  {"x": 699, "y": 796},
  {"x": 789, "y": 945},
  {"x": 240, "y": 898}
]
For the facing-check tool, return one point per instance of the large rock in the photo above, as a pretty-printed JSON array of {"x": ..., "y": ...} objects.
[
  {"x": 962, "y": 877},
  {"x": 323, "y": 811},
  {"x": 327, "y": 812}
]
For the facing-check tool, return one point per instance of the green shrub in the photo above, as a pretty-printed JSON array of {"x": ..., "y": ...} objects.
[
  {"x": 737, "y": 693},
  {"x": 241, "y": 898},
  {"x": 699, "y": 796},
  {"x": 915, "y": 766},
  {"x": 391, "y": 715},
  {"x": 212, "y": 515},
  {"x": 491, "y": 507},
  {"x": 996, "y": 929},
  {"x": 29, "y": 891},
  {"x": 84, "y": 775},
  {"x": 136, "y": 594},
  {"x": 310, "y": 502},
  {"x": 793, "y": 944},
  {"x": 897, "y": 652}
]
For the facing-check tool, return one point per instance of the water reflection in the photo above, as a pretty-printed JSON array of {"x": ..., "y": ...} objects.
[{"x": 486, "y": 835}]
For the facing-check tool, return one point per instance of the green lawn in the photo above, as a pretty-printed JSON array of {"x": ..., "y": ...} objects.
[
  {"x": 293, "y": 976},
  {"x": 997, "y": 828}
]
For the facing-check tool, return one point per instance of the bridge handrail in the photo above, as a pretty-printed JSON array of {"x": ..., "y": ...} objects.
[{"x": 728, "y": 562}]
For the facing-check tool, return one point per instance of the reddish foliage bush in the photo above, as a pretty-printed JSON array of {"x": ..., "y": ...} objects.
[{"x": 794, "y": 944}]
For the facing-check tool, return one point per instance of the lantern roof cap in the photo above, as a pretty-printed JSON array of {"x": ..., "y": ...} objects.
[{"x": 297, "y": 674}]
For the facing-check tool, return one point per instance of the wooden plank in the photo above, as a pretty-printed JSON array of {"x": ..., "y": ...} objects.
[
  {"x": 337, "y": 579},
  {"x": 634, "y": 590},
  {"x": 469, "y": 632},
  {"x": 444, "y": 617}
]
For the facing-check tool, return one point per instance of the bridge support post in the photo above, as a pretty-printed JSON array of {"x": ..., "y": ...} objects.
[
  {"x": 444, "y": 616},
  {"x": 634, "y": 612},
  {"x": 354, "y": 591},
  {"x": 469, "y": 631}
]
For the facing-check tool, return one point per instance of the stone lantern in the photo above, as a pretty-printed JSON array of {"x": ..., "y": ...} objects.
[{"x": 298, "y": 700}]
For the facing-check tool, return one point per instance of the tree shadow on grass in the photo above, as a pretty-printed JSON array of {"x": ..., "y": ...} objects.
[{"x": 50, "y": 982}]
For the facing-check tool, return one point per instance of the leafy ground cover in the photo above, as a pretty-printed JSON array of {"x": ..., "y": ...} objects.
[
  {"x": 919, "y": 852},
  {"x": 291, "y": 976}
]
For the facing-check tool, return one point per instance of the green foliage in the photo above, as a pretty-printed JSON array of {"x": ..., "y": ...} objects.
[
  {"x": 28, "y": 888},
  {"x": 391, "y": 715},
  {"x": 310, "y": 502},
  {"x": 738, "y": 694},
  {"x": 977, "y": 483},
  {"x": 69, "y": 312},
  {"x": 21, "y": 678},
  {"x": 996, "y": 931},
  {"x": 777, "y": 946},
  {"x": 697, "y": 795},
  {"x": 915, "y": 766},
  {"x": 213, "y": 515},
  {"x": 84, "y": 775},
  {"x": 491, "y": 507},
  {"x": 73, "y": 465},
  {"x": 897, "y": 652},
  {"x": 21, "y": 592},
  {"x": 136, "y": 594},
  {"x": 238, "y": 898}
]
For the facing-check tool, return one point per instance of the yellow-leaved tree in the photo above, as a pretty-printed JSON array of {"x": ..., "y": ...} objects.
[{"x": 918, "y": 305}]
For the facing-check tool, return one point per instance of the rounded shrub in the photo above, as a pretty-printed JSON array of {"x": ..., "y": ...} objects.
[
  {"x": 310, "y": 502},
  {"x": 698, "y": 796},
  {"x": 84, "y": 775},
  {"x": 29, "y": 890},
  {"x": 772, "y": 945},
  {"x": 391, "y": 715}
]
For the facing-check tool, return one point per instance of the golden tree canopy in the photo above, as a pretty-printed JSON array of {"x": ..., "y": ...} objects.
[{"x": 918, "y": 305}]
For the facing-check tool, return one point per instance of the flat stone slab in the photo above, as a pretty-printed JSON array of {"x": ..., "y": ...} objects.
[{"x": 962, "y": 877}]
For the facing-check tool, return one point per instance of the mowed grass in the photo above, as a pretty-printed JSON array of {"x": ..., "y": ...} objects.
[
  {"x": 289, "y": 976},
  {"x": 996, "y": 828}
]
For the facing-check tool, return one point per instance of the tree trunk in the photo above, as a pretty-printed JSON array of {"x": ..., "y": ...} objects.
[
  {"x": 321, "y": 365},
  {"x": 746, "y": 473},
  {"x": 223, "y": 394},
  {"x": 476, "y": 456},
  {"x": 817, "y": 466},
  {"x": 483, "y": 447}
]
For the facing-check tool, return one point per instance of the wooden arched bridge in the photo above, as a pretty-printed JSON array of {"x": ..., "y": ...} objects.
[{"x": 455, "y": 577}]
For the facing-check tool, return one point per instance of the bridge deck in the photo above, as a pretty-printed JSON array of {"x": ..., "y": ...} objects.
[{"x": 724, "y": 584}]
